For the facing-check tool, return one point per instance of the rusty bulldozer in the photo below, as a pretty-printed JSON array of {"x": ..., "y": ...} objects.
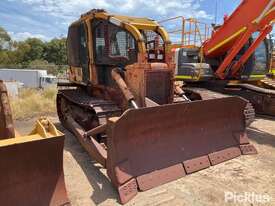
[
  {"x": 123, "y": 106},
  {"x": 32, "y": 166}
]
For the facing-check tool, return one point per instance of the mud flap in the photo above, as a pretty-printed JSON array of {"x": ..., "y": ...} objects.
[
  {"x": 32, "y": 170},
  {"x": 151, "y": 146}
]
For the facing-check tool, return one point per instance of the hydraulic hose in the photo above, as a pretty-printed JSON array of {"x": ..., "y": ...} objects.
[{"x": 123, "y": 87}]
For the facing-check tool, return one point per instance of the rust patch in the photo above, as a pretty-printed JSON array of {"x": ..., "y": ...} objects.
[
  {"x": 224, "y": 155},
  {"x": 127, "y": 191},
  {"x": 33, "y": 173},
  {"x": 241, "y": 138},
  {"x": 248, "y": 149},
  {"x": 196, "y": 164},
  {"x": 6, "y": 122},
  {"x": 158, "y": 86},
  {"x": 121, "y": 172},
  {"x": 159, "y": 177}
]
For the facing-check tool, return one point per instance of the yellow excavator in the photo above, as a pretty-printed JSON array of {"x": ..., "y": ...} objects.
[
  {"x": 31, "y": 166},
  {"x": 123, "y": 106}
]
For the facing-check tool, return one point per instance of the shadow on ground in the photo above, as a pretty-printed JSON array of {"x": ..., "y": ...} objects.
[
  {"x": 261, "y": 137},
  {"x": 100, "y": 183},
  {"x": 266, "y": 117}
]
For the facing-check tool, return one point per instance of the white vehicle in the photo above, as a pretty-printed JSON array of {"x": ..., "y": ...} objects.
[{"x": 30, "y": 78}]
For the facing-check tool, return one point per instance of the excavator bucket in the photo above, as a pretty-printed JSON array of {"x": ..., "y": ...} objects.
[
  {"x": 148, "y": 147},
  {"x": 31, "y": 166}
]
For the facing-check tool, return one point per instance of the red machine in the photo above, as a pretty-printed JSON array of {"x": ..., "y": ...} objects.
[
  {"x": 238, "y": 50},
  {"x": 228, "y": 40}
]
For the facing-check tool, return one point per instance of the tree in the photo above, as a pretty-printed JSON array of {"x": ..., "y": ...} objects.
[
  {"x": 33, "y": 53},
  {"x": 36, "y": 50},
  {"x": 55, "y": 51},
  {"x": 5, "y": 39},
  {"x": 20, "y": 54},
  {"x": 4, "y": 58}
]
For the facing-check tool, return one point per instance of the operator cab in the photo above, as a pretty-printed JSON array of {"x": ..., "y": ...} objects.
[
  {"x": 257, "y": 66},
  {"x": 189, "y": 67},
  {"x": 109, "y": 45},
  {"x": 154, "y": 46}
]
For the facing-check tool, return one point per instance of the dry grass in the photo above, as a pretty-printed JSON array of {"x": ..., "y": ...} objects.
[{"x": 32, "y": 103}]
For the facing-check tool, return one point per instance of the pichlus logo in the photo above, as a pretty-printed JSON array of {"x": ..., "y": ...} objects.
[{"x": 246, "y": 197}]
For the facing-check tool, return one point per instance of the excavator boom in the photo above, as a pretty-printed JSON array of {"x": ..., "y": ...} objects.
[
  {"x": 226, "y": 35},
  {"x": 231, "y": 37}
]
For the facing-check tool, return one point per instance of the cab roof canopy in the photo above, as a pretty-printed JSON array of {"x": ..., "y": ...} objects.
[{"x": 138, "y": 22}]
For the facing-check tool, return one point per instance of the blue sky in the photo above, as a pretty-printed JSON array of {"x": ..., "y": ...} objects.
[{"x": 47, "y": 19}]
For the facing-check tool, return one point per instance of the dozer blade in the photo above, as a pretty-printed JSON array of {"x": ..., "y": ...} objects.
[
  {"x": 151, "y": 146},
  {"x": 6, "y": 123},
  {"x": 32, "y": 168}
]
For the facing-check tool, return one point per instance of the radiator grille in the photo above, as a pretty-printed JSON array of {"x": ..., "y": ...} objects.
[{"x": 158, "y": 86}]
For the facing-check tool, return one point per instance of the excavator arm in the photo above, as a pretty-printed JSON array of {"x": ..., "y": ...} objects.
[{"x": 250, "y": 17}]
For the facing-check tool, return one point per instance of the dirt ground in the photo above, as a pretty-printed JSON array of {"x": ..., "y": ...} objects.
[{"x": 87, "y": 183}]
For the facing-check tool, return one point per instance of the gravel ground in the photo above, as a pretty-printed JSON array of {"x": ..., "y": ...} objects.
[{"x": 88, "y": 184}]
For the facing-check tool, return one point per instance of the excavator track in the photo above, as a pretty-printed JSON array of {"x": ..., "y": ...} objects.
[
  {"x": 262, "y": 99},
  {"x": 206, "y": 94},
  {"x": 268, "y": 83}
]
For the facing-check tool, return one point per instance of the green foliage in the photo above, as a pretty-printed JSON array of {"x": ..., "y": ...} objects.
[
  {"x": 55, "y": 51},
  {"x": 33, "y": 53},
  {"x": 4, "y": 57},
  {"x": 20, "y": 54},
  {"x": 5, "y": 39},
  {"x": 36, "y": 50},
  {"x": 4, "y": 34}
]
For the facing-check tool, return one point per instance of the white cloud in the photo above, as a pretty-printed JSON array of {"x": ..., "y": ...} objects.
[
  {"x": 63, "y": 12},
  {"x": 25, "y": 35},
  {"x": 68, "y": 10}
]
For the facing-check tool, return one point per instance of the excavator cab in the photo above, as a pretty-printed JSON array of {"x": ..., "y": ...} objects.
[
  {"x": 125, "y": 109},
  {"x": 192, "y": 67},
  {"x": 257, "y": 66}
]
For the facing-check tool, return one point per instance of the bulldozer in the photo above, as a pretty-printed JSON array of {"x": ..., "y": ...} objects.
[
  {"x": 123, "y": 105},
  {"x": 31, "y": 165},
  {"x": 233, "y": 59}
]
